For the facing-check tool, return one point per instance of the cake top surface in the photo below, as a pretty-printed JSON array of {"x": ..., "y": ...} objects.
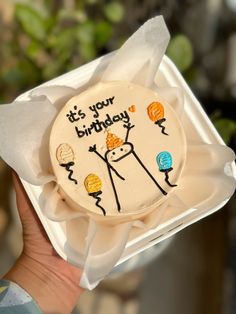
[{"x": 117, "y": 149}]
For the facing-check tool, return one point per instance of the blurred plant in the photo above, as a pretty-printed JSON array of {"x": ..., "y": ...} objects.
[
  {"x": 43, "y": 42},
  {"x": 49, "y": 37},
  {"x": 180, "y": 51},
  {"x": 226, "y": 127}
]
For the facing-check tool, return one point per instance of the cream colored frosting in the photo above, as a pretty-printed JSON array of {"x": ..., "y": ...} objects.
[{"x": 111, "y": 172}]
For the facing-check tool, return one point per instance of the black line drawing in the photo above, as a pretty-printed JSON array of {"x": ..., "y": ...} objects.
[
  {"x": 68, "y": 168},
  {"x": 118, "y": 153}
]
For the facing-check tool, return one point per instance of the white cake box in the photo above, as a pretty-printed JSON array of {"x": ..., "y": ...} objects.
[{"x": 198, "y": 125}]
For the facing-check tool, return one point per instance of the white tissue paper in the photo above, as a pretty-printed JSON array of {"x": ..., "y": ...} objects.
[{"x": 24, "y": 141}]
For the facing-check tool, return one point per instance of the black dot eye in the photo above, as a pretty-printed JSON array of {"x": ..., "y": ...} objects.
[
  {"x": 113, "y": 153},
  {"x": 122, "y": 149}
]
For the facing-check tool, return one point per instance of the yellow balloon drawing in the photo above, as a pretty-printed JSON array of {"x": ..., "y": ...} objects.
[
  {"x": 93, "y": 183},
  {"x": 65, "y": 154}
]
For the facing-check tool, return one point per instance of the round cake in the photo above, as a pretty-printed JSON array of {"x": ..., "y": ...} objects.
[{"x": 117, "y": 150}]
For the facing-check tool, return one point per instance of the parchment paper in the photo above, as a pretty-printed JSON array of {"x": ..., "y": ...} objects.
[{"x": 25, "y": 128}]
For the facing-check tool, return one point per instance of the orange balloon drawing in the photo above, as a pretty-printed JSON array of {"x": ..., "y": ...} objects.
[{"x": 155, "y": 111}]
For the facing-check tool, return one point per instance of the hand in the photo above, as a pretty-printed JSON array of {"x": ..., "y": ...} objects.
[
  {"x": 93, "y": 148},
  {"x": 49, "y": 279},
  {"x": 128, "y": 126}
]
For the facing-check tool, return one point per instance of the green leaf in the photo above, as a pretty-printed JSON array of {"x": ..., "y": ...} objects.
[
  {"x": 85, "y": 32},
  {"x": 2, "y": 99},
  {"x": 22, "y": 74},
  {"x": 103, "y": 32},
  {"x": 226, "y": 128},
  {"x": 50, "y": 23},
  {"x": 63, "y": 41},
  {"x": 52, "y": 70},
  {"x": 87, "y": 51},
  {"x": 72, "y": 15},
  {"x": 91, "y": 2},
  {"x": 33, "y": 49},
  {"x": 180, "y": 51},
  {"x": 114, "y": 11},
  {"x": 13, "y": 76},
  {"x": 31, "y": 21}
]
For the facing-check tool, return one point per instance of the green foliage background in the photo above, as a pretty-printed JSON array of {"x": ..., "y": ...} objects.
[{"x": 48, "y": 38}]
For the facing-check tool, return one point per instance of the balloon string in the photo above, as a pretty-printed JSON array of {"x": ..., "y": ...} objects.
[
  {"x": 70, "y": 176},
  {"x": 149, "y": 173},
  {"x": 167, "y": 178},
  {"x": 97, "y": 204},
  {"x": 67, "y": 166},
  {"x": 159, "y": 123}
]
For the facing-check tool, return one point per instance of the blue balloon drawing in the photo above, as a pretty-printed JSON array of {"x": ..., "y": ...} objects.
[{"x": 164, "y": 162}]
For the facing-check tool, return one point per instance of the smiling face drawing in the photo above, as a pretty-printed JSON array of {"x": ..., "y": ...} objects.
[{"x": 119, "y": 153}]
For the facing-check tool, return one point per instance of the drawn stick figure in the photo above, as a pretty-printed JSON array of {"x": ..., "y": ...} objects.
[{"x": 117, "y": 150}]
